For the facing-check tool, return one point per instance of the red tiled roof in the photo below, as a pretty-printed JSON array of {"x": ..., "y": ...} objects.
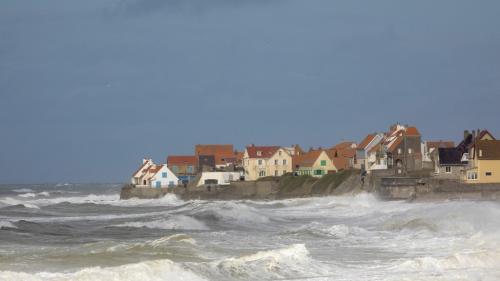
[
  {"x": 395, "y": 144},
  {"x": 340, "y": 163},
  {"x": 219, "y": 151},
  {"x": 412, "y": 131},
  {"x": 265, "y": 151},
  {"x": 181, "y": 160},
  {"x": 307, "y": 159},
  {"x": 366, "y": 141}
]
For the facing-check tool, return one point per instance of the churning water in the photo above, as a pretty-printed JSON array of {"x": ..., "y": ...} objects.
[{"x": 84, "y": 232}]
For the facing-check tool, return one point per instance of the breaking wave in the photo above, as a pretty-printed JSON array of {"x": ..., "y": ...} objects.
[
  {"x": 159, "y": 270},
  {"x": 178, "y": 222}
]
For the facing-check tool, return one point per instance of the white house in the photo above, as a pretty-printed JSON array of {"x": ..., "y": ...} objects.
[
  {"x": 161, "y": 177},
  {"x": 219, "y": 178},
  {"x": 152, "y": 175}
]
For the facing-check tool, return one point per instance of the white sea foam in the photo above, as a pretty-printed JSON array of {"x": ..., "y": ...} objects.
[
  {"x": 32, "y": 194},
  {"x": 177, "y": 222},
  {"x": 6, "y": 224},
  {"x": 23, "y": 190},
  {"x": 291, "y": 262},
  {"x": 9, "y": 201},
  {"x": 159, "y": 270}
]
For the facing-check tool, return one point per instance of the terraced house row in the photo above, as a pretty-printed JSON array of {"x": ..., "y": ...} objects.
[{"x": 400, "y": 151}]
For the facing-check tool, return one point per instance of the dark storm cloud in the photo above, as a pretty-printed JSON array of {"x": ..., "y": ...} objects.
[{"x": 89, "y": 87}]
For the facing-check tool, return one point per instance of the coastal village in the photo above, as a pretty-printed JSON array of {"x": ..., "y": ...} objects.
[{"x": 398, "y": 152}]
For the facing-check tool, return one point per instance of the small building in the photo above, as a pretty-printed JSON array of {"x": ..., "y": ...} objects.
[
  {"x": 345, "y": 150},
  {"x": 368, "y": 153},
  {"x": 316, "y": 163},
  {"x": 154, "y": 176},
  {"x": 183, "y": 166},
  {"x": 223, "y": 156},
  {"x": 264, "y": 161},
  {"x": 403, "y": 148},
  {"x": 219, "y": 178},
  {"x": 449, "y": 164},
  {"x": 484, "y": 162}
]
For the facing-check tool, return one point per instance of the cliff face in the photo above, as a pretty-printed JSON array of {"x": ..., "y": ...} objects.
[{"x": 287, "y": 186}]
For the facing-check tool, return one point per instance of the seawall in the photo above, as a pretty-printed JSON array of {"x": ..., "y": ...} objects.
[{"x": 288, "y": 186}]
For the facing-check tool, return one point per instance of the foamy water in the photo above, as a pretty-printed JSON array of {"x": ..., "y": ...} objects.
[{"x": 84, "y": 232}]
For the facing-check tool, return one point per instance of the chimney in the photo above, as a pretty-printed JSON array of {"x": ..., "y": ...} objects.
[{"x": 466, "y": 134}]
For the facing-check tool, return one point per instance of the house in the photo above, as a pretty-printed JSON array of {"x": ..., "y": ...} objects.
[
  {"x": 155, "y": 176},
  {"x": 294, "y": 150},
  {"x": 138, "y": 178},
  {"x": 316, "y": 163},
  {"x": 344, "y": 154},
  {"x": 215, "y": 156},
  {"x": 219, "y": 178},
  {"x": 368, "y": 157},
  {"x": 263, "y": 161},
  {"x": 449, "y": 163},
  {"x": 403, "y": 148},
  {"x": 183, "y": 166},
  {"x": 483, "y": 155}
]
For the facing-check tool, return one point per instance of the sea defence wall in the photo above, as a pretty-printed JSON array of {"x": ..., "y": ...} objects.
[
  {"x": 429, "y": 189},
  {"x": 288, "y": 186}
]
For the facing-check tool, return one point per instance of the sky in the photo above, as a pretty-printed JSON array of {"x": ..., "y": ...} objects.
[{"x": 90, "y": 87}]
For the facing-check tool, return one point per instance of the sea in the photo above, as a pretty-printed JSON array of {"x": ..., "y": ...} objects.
[{"x": 85, "y": 232}]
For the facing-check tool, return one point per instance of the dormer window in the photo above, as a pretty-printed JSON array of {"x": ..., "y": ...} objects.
[
  {"x": 279, "y": 153},
  {"x": 259, "y": 153}
]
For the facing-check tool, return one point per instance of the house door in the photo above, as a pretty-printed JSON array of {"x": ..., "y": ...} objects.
[{"x": 158, "y": 184}]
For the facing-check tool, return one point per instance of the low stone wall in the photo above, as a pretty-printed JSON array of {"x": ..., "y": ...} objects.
[{"x": 287, "y": 186}]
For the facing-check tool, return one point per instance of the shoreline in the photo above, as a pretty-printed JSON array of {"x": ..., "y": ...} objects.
[{"x": 411, "y": 189}]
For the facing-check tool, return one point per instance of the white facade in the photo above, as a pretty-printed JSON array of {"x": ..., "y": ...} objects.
[
  {"x": 219, "y": 178},
  {"x": 138, "y": 178},
  {"x": 163, "y": 178}
]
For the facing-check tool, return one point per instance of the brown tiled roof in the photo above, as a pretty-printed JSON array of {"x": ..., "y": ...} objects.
[
  {"x": 219, "y": 151},
  {"x": 265, "y": 151},
  {"x": 488, "y": 149},
  {"x": 306, "y": 159},
  {"x": 343, "y": 145},
  {"x": 366, "y": 141},
  {"x": 412, "y": 131},
  {"x": 181, "y": 160},
  {"x": 395, "y": 144},
  {"x": 440, "y": 144}
]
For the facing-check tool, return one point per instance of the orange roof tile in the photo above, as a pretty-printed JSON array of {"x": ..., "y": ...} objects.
[
  {"x": 261, "y": 151},
  {"x": 219, "y": 151},
  {"x": 412, "y": 131},
  {"x": 181, "y": 160},
  {"x": 307, "y": 159},
  {"x": 366, "y": 141}
]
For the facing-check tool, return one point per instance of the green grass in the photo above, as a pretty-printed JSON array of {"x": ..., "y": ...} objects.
[{"x": 331, "y": 182}]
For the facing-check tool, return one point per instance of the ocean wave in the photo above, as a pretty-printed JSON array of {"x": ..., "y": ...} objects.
[
  {"x": 159, "y": 270},
  {"x": 7, "y": 224},
  {"x": 338, "y": 231},
  {"x": 32, "y": 194},
  {"x": 291, "y": 262},
  {"x": 9, "y": 201},
  {"x": 23, "y": 190},
  {"x": 177, "y": 222}
]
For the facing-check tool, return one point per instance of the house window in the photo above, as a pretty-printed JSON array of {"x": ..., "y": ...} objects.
[
  {"x": 259, "y": 153},
  {"x": 318, "y": 172},
  {"x": 284, "y": 161},
  {"x": 276, "y": 173},
  {"x": 410, "y": 151},
  {"x": 262, "y": 173},
  {"x": 260, "y": 162},
  {"x": 279, "y": 153},
  {"x": 171, "y": 184},
  {"x": 448, "y": 169},
  {"x": 175, "y": 169},
  {"x": 276, "y": 162},
  {"x": 472, "y": 176},
  {"x": 480, "y": 153},
  {"x": 488, "y": 174},
  {"x": 164, "y": 175},
  {"x": 399, "y": 150},
  {"x": 190, "y": 169},
  {"x": 323, "y": 162}
]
